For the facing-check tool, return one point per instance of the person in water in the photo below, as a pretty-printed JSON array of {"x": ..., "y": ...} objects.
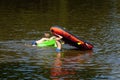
[{"x": 47, "y": 37}]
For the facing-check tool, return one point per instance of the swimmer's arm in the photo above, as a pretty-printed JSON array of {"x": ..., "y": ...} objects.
[
  {"x": 41, "y": 40},
  {"x": 53, "y": 37},
  {"x": 59, "y": 37}
]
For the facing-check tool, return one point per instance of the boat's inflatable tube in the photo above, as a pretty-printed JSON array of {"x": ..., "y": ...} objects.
[
  {"x": 71, "y": 39},
  {"x": 47, "y": 43}
]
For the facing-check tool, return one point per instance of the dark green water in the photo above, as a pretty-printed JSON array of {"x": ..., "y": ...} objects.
[{"x": 22, "y": 21}]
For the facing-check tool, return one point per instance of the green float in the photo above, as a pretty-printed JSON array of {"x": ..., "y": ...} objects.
[{"x": 47, "y": 43}]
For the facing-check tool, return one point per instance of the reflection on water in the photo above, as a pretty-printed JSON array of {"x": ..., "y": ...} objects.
[
  {"x": 22, "y": 21},
  {"x": 67, "y": 66},
  {"x": 78, "y": 66},
  {"x": 27, "y": 62}
]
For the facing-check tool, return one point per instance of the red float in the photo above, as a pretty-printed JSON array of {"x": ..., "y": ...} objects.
[{"x": 71, "y": 39}]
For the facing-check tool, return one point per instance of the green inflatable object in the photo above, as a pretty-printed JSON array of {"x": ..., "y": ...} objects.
[{"x": 47, "y": 43}]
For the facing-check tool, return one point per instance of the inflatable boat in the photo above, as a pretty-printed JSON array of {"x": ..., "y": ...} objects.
[
  {"x": 47, "y": 43},
  {"x": 70, "y": 39}
]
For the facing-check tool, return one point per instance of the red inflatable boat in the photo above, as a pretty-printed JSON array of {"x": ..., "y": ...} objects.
[{"x": 71, "y": 39}]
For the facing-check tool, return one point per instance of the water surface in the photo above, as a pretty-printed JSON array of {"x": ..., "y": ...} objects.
[{"x": 22, "y": 21}]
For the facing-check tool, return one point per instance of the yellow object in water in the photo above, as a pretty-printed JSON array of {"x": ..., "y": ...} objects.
[{"x": 78, "y": 43}]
